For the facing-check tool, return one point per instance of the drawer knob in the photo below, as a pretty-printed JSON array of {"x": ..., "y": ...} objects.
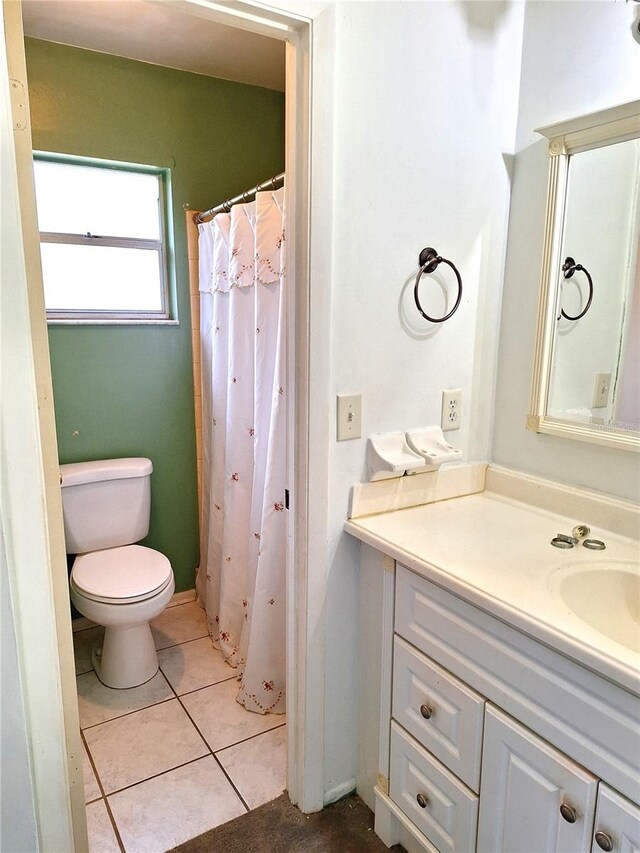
[
  {"x": 422, "y": 800},
  {"x": 604, "y": 841},
  {"x": 568, "y": 813},
  {"x": 426, "y": 711}
]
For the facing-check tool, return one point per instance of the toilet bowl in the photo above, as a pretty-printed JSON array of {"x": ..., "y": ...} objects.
[
  {"x": 115, "y": 582},
  {"x": 123, "y": 589}
]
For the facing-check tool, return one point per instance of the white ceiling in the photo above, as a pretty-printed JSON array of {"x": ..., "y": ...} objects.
[{"x": 156, "y": 33}]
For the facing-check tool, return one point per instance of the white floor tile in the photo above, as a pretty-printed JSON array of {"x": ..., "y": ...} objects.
[
  {"x": 91, "y": 789},
  {"x": 98, "y": 703},
  {"x": 221, "y": 719},
  {"x": 193, "y": 665},
  {"x": 132, "y": 748},
  {"x": 83, "y": 643},
  {"x": 102, "y": 838},
  {"x": 258, "y": 767},
  {"x": 179, "y": 624},
  {"x": 160, "y": 813}
]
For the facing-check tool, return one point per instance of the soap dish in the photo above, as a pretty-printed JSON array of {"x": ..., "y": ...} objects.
[
  {"x": 432, "y": 446},
  {"x": 389, "y": 455}
]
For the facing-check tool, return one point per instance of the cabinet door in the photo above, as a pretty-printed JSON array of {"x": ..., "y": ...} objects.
[
  {"x": 524, "y": 784},
  {"x": 617, "y": 826}
]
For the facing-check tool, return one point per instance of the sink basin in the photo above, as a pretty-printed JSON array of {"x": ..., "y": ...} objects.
[{"x": 605, "y": 596}]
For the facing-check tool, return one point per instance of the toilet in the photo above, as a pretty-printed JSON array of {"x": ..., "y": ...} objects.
[{"x": 114, "y": 582}]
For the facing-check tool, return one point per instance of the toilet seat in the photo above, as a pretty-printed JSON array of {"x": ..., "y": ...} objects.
[{"x": 121, "y": 575}]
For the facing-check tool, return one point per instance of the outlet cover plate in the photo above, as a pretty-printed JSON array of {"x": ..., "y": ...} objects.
[{"x": 450, "y": 417}]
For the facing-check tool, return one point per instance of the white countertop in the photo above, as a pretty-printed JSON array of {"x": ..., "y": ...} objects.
[{"x": 495, "y": 552}]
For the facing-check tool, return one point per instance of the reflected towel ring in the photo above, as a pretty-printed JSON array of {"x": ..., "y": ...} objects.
[
  {"x": 568, "y": 268},
  {"x": 429, "y": 261}
]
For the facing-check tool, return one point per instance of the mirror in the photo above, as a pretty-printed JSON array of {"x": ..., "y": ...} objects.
[{"x": 586, "y": 382}]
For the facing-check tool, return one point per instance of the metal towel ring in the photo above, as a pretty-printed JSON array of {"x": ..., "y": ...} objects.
[
  {"x": 429, "y": 261},
  {"x": 568, "y": 268}
]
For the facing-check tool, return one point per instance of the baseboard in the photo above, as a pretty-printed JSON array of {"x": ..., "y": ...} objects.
[
  {"x": 80, "y": 623},
  {"x": 340, "y": 791},
  {"x": 184, "y": 597}
]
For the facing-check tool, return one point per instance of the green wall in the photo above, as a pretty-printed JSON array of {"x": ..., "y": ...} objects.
[{"x": 127, "y": 390}]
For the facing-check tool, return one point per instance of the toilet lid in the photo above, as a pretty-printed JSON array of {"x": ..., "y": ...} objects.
[{"x": 126, "y": 574}]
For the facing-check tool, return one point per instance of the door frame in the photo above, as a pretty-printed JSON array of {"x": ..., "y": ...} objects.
[{"x": 305, "y": 654}]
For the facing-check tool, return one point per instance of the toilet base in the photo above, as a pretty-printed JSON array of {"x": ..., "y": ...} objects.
[{"x": 128, "y": 656}]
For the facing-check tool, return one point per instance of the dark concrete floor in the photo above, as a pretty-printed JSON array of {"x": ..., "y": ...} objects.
[{"x": 279, "y": 827}]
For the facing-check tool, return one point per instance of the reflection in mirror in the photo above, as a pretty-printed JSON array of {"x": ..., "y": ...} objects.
[
  {"x": 595, "y": 375},
  {"x": 586, "y": 374}
]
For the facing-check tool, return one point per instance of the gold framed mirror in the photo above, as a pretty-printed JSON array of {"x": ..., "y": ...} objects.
[{"x": 586, "y": 374}]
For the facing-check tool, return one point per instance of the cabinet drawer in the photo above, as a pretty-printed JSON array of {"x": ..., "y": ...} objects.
[
  {"x": 449, "y": 814},
  {"x": 441, "y": 712}
]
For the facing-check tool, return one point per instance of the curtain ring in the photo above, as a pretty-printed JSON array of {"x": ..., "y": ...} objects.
[
  {"x": 429, "y": 261},
  {"x": 568, "y": 268}
]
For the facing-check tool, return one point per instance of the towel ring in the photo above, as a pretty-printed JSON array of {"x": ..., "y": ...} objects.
[
  {"x": 429, "y": 261},
  {"x": 568, "y": 268}
]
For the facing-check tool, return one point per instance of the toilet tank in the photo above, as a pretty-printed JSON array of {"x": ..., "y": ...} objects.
[{"x": 105, "y": 503}]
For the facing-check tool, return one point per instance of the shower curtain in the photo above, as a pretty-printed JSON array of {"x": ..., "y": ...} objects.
[{"x": 241, "y": 580}]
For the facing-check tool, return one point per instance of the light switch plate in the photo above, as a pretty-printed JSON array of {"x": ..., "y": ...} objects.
[
  {"x": 349, "y": 416},
  {"x": 601, "y": 388}
]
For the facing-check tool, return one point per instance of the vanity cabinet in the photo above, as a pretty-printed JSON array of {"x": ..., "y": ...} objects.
[{"x": 489, "y": 740}]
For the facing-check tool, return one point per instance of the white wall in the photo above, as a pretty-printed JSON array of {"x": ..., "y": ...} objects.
[
  {"x": 578, "y": 57},
  {"x": 424, "y": 122}
]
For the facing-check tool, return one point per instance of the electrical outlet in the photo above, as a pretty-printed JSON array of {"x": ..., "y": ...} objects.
[
  {"x": 451, "y": 409},
  {"x": 349, "y": 416},
  {"x": 601, "y": 390}
]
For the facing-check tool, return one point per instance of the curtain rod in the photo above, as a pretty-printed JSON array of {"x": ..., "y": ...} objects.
[{"x": 272, "y": 184}]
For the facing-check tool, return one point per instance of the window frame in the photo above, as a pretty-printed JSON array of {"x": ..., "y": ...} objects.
[{"x": 166, "y": 315}]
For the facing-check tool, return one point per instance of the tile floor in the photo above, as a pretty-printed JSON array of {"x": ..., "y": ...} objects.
[{"x": 177, "y": 756}]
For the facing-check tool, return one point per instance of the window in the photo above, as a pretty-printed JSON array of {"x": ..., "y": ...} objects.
[{"x": 102, "y": 240}]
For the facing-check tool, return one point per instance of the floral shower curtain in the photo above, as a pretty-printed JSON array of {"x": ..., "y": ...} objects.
[{"x": 241, "y": 580}]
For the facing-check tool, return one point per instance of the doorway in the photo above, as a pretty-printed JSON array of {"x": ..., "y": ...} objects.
[{"x": 297, "y": 36}]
